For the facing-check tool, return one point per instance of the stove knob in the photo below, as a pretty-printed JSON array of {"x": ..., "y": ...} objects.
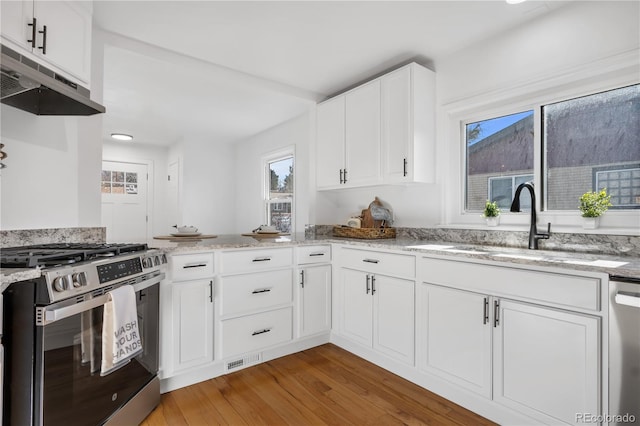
[
  {"x": 163, "y": 259},
  {"x": 147, "y": 262},
  {"x": 79, "y": 279},
  {"x": 61, "y": 283},
  {"x": 156, "y": 260}
]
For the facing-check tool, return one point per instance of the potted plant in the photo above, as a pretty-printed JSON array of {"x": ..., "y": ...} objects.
[
  {"x": 491, "y": 213},
  {"x": 593, "y": 204}
]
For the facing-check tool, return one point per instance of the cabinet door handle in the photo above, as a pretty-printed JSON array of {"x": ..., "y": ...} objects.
[
  {"x": 261, "y": 259},
  {"x": 345, "y": 176},
  {"x": 261, "y": 290},
  {"x": 486, "y": 311},
  {"x": 404, "y": 167},
  {"x": 368, "y": 278},
  {"x": 341, "y": 179},
  {"x": 265, "y": 330},
  {"x": 194, "y": 265},
  {"x": 302, "y": 278},
  {"x": 44, "y": 40},
  {"x": 33, "y": 33},
  {"x": 371, "y": 260},
  {"x": 211, "y": 291},
  {"x": 496, "y": 313},
  {"x": 373, "y": 285}
]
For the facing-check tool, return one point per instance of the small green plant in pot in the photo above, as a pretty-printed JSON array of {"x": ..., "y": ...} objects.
[
  {"x": 491, "y": 213},
  {"x": 594, "y": 204}
]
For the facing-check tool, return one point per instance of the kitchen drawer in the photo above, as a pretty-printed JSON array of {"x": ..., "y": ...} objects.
[
  {"x": 314, "y": 254},
  {"x": 255, "y": 332},
  {"x": 191, "y": 266},
  {"x": 376, "y": 262},
  {"x": 250, "y": 292},
  {"x": 256, "y": 260},
  {"x": 564, "y": 290}
]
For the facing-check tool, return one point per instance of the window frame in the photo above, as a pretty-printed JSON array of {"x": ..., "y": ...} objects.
[
  {"x": 266, "y": 185},
  {"x": 507, "y": 101}
]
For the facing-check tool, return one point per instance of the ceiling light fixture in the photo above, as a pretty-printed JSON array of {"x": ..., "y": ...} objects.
[
  {"x": 121, "y": 137},
  {"x": 515, "y": 1}
]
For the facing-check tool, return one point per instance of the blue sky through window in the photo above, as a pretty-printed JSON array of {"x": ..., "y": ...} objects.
[{"x": 494, "y": 125}]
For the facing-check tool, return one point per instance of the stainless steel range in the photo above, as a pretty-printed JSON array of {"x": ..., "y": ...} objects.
[{"x": 53, "y": 328}]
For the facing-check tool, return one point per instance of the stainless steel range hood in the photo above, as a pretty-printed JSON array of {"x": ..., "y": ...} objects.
[{"x": 31, "y": 87}]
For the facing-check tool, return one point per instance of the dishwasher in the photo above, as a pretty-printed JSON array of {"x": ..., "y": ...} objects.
[{"x": 624, "y": 350}]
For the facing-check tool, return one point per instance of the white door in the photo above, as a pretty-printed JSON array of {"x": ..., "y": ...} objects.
[
  {"x": 362, "y": 135},
  {"x": 546, "y": 362},
  {"x": 173, "y": 196},
  {"x": 396, "y": 123},
  {"x": 124, "y": 189},
  {"x": 315, "y": 295},
  {"x": 457, "y": 343},
  {"x": 192, "y": 323},
  {"x": 394, "y": 322},
  {"x": 330, "y": 143},
  {"x": 357, "y": 305}
]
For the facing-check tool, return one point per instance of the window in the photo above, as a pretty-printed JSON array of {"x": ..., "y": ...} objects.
[
  {"x": 279, "y": 193},
  {"x": 593, "y": 142},
  {"x": 499, "y": 158},
  {"x": 116, "y": 182},
  {"x": 587, "y": 143}
]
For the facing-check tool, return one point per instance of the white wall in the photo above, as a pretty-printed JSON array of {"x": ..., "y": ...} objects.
[
  {"x": 568, "y": 47},
  {"x": 554, "y": 57},
  {"x": 249, "y": 209},
  {"x": 207, "y": 186},
  {"x": 156, "y": 156},
  {"x": 44, "y": 184}
]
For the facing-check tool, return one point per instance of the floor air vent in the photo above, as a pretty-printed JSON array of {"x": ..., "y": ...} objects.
[{"x": 243, "y": 362}]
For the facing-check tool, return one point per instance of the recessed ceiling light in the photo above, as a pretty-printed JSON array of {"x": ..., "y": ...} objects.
[
  {"x": 121, "y": 137},
  {"x": 515, "y": 1}
]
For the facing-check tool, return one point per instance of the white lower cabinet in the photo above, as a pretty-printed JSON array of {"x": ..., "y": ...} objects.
[
  {"x": 314, "y": 300},
  {"x": 378, "y": 311},
  {"x": 192, "y": 309},
  {"x": 546, "y": 362},
  {"x": 457, "y": 337},
  {"x": 542, "y": 362}
]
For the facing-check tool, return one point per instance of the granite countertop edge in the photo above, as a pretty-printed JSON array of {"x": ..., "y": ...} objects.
[{"x": 508, "y": 255}]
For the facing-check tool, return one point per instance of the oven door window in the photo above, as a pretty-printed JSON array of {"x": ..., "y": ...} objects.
[{"x": 73, "y": 392}]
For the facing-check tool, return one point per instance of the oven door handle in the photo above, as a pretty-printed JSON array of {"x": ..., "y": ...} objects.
[{"x": 49, "y": 314}]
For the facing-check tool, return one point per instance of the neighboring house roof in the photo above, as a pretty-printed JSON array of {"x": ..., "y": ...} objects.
[
  {"x": 589, "y": 132},
  {"x": 508, "y": 150}
]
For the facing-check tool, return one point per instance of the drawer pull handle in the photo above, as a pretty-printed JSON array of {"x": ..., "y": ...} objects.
[
  {"x": 371, "y": 260},
  {"x": 262, "y": 259},
  {"x": 194, "y": 265},
  {"x": 261, "y": 290},
  {"x": 266, "y": 330},
  {"x": 316, "y": 254}
]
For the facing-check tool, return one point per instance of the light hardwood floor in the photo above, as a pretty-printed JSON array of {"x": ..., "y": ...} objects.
[{"x": 325, "y": 385}]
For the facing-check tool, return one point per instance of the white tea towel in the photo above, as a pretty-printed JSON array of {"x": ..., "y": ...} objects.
[{"x": 120, "y": 336}]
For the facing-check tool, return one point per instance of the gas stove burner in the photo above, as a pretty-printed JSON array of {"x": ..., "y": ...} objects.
[{"x": 48, "y": 255}]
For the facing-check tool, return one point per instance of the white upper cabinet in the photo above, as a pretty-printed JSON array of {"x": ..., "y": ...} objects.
[
  {"x": 408, "y": 125},
  {"x": 60, "y": 38},
  {"x": 330, "y": 143},
  {"x": 362, "y": 136},
  {"x": 348, "y": 139},
  {"x": 378, "y": 133}
]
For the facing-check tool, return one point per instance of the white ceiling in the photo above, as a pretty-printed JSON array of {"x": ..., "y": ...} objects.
[{"x": 225, "y": 70}]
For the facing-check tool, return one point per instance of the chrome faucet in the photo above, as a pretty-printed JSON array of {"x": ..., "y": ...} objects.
[{"x": 534, "y": 235}]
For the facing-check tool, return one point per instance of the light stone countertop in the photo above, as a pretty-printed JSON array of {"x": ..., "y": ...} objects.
[{"x": 620, "y": 265}]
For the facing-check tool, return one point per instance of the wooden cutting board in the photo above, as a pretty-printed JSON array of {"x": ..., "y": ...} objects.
[{"x": 185, "y": 238}]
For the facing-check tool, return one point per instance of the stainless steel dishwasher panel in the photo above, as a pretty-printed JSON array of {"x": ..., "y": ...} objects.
[{"x": 624, "y": 350}]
